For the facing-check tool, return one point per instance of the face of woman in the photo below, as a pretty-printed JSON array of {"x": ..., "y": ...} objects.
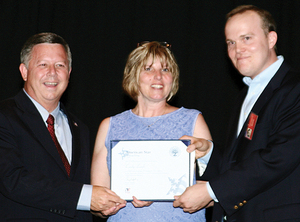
[{"x": 155, "y": 82}]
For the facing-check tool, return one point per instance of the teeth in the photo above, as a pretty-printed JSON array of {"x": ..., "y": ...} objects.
[
  {"x": 157, "y": 86},
  {"x": 51, "y": 83}
]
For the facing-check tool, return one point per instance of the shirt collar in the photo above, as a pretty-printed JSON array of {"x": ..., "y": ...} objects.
[
  {"x": 44, "y": 113},
  {"x": 266, "y": 75}
]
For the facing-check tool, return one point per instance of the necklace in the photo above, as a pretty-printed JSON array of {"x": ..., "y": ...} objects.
[{"x": 151, "y": 124}]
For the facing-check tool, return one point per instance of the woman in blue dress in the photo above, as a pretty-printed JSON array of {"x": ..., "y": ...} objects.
[{"x": 151, "y": 78}]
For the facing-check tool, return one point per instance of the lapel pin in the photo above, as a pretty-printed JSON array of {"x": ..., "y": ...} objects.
[{"x": 251, "y": 126}]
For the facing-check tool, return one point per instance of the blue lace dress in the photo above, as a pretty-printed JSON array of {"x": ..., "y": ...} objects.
[{"x": 126, "y": 126}]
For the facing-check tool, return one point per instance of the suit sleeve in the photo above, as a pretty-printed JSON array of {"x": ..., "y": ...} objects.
[
  {"x": 213, "y": 166},
  {"x": 24, "y": 173}
]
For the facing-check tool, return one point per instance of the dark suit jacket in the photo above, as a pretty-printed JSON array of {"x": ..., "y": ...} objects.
[
  {"x": 259, "y": 179},
  {"x": 34, "y": 185}
]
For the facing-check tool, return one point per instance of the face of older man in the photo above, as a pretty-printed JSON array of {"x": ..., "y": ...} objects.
[
  {"x": 47, "y": 75},
  {"x": 249, "y": 48}
]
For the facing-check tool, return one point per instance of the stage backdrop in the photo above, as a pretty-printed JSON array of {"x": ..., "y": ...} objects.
[{"x": 101, "y": 34}]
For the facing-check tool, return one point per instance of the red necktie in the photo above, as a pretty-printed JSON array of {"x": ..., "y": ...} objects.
[{"x": 50, "y": 127}]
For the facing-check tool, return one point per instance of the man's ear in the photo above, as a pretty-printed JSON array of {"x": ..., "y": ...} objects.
[
  {"x": 272, "y": 36},
  {"x": 23, "y": 71}
]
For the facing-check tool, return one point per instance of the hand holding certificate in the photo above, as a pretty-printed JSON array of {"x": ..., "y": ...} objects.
[{"x": 151, "y": 169}]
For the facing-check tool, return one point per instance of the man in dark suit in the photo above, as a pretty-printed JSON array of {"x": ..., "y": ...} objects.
[
  {"x": 257, "y": 178},
  {"x": 44, "y": 175}
]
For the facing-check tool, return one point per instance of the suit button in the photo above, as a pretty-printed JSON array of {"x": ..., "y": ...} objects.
[
  {"x": 236, "y": 207},
  {"x": 241, "y": 204},
  {"x": 244, "y": 202}
]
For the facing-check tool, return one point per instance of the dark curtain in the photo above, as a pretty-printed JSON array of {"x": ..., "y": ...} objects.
[{"x": 102, "y": 33}]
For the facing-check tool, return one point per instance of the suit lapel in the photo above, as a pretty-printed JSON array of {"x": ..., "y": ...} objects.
[
  {"x": 75, "y": 140},
  {"x": 36, "y": 125},
  {"x": 232, "y": 130},
  {"x": 263, "y": 99},
  {"x": 235, "y": 118},
  {"x": 274, "y": 83}
]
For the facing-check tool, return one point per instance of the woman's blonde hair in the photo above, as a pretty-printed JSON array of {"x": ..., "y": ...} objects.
[{"x": 137, "y": 60}]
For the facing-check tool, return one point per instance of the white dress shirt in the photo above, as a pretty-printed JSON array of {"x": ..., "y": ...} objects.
[{"x": 256, "y": 87}]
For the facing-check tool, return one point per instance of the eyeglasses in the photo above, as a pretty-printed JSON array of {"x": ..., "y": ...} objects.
[{"x": 164, "y": 44}]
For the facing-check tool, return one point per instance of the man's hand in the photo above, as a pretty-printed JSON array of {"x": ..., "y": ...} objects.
[
  {"x": 105, "y": 202},
  {"x": 201, "y": 146},
  {"x": 194, "y": 198}
]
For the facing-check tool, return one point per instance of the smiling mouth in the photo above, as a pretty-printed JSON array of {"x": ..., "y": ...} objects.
[
  {"x": 51, "y": 83},
  {"x": 157, "y": 86},
  {"x": 242, "y": 58}
]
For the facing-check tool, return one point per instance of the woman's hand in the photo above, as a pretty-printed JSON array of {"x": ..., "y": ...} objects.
[{"x": 140, "y": 203}]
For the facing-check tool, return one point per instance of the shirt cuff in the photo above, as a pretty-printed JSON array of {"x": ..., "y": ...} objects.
[
  {"x": 85, "y": 198},
  {"x": 211, "y": 192}
]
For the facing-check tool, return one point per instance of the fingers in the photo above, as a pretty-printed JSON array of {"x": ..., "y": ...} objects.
[
  {"x": 113, "y": 210},
  {"x": 105, "y": 201},
  {"x": 113, "y": 197},
  {"x": 179, "y": 201},
  {"x": 192, "y": 146},
  {"x": 185, "y": 137},
  {"x": 116, "y": 199},
  {"x": 198, "y": 144},
  {"x": 140, "y": 203},
  {"x": 98, "y": 214},
  {"x": 194, "y": 198},
  {"x": 176, "y": 203},
  {"x": 185, "y": 208}
]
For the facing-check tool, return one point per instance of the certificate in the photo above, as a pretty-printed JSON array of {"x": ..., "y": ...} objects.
[{"x": 153, "y": 170}]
